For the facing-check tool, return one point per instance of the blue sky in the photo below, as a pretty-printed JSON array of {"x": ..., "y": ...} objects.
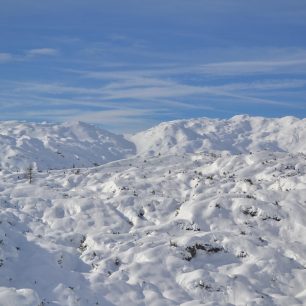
[{"x": 129, "y": 64}]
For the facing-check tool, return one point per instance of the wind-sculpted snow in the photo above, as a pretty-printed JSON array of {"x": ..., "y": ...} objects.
[
  {"x": 239, "y": 134},
  {"x": 58, "y": 146},
  {"x": 182, "y": 229}
]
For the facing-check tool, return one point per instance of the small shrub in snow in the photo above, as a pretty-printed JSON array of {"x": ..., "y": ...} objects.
[
  {"x": 141, "y": 213},
  {"x": 208, "y": 248},
  {"x": 275, "y": 218},
  {"x": 83, "y": 245},
  {"x": 173, "y": 244},
  {"x": 29, "y": 174},
  {"x": 249, "y": 181},
  {"x": 242, "y": 254},
  {"x": 202, "y": 285},
  {"x": 251, "y": 211},
  {"x": 117, "y": 261},
  {"x": 248, "y": 196}
]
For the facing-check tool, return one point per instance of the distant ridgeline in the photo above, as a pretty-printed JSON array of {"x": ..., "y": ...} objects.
[
  {"x": 47, "y": 146},
  {"x": 59, "y": 146}
]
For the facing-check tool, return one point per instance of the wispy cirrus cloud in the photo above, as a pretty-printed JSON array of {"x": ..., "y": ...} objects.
[
  {"x": 159, "y": 90},
  {"x": 124, "y": 96},
  {"x": 255, "y": 67},
  {"x": 42, "y": 52},
  {"x": 145, "y": 96},
  {"x": 291, "y": 63},
  {"x": 27, "y": 55}
]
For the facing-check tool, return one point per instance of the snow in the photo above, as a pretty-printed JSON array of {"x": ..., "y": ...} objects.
[
  {"x": 181, "y": 227},
  {"x": 59, "y": 146},
  {"x": 240, "y": 134}
]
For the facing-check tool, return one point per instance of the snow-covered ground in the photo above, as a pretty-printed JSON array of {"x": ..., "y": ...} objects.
[{"x": 163, "y": 227}]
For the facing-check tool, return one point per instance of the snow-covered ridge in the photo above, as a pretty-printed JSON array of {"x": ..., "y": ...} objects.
[
  {"x": 68, "y": 145},
  {"x": 240, "y": 134},
  {"x": 59, "y": 146}
]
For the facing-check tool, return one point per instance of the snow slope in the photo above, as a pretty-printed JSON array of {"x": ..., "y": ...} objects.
[
  {"x": 58, "y": 146},
  {"x": 174, "y": 228},
  {"x": 240, "y": 134},
  {"x": 168, "y": 230}
]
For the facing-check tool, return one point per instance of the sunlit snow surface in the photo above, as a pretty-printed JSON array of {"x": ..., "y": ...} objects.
[
  {"x": 57, "y": 146},
  {"x": 169, "y": 229}
]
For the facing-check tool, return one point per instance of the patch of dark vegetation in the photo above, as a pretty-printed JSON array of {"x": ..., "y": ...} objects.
[
  {"x": 207, "y": 287},
  {"x": 83, "y": 246},
  {"x": 202, "y": 285},
  {"x": 117, "y": 261},
  {"x": 188, "y": 226},
  {"x": 251, "y": 211},
  {"x": 248, "y": 196},
  {"x": 124, "y": 188},
  {"x": 249, "y": 181},
  {"x": 275, "y": 218},
  {"x": 173, "y": 244},
  {"x": 208, "y": 248},
  {"x": 141, "y": 213},
  {"x": 242, "y": 254}
]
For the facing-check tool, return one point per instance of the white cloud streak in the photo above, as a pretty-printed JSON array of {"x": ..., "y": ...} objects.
[
  {"x": 27, "y": 55},
  {"x": 139, "y": 95},
  {"x": 42, "y": 52},
  {"x": 157, "y": 91}
]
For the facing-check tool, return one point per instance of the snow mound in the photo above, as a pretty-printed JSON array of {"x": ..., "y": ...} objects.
[
  {"x": 13, "y": 297},
  {"x": 58, "y": 146},
  {"x": 240, "y": 134}
]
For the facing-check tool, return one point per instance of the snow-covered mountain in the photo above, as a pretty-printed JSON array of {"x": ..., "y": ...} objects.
[
  {"x": 58, "y": 146},
  {"x": 240, "y": 134},
  {"x": 182, "y": 227},
  {"x": 67, "y": 145}
]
